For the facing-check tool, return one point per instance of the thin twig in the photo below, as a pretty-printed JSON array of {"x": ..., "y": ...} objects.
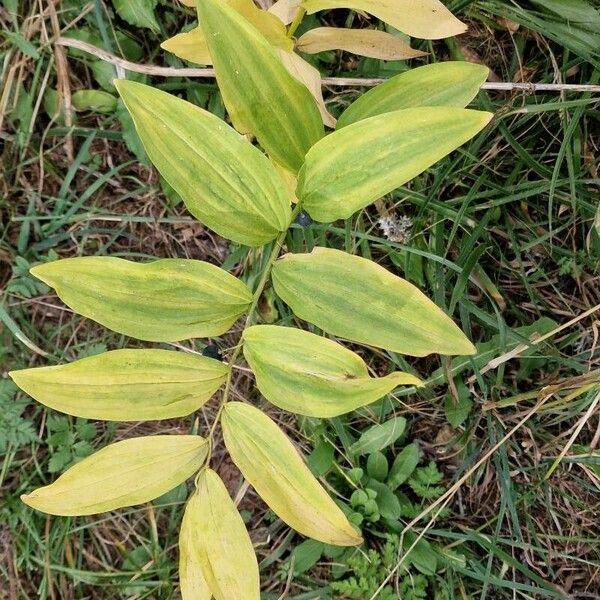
[{"x": 333, "y": 81}]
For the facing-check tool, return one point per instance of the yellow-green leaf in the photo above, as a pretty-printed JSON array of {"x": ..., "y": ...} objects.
[
  {"x": 224, "y": 181},
  {"x": 259, "y": 93},
  {"x": 161, "y": 301},
  {"x": 125, "y": 473},
  {"x": 306, "y": 74},
  {"x": 190, "y": 45},
  {"x": 126, "y": 385},
  {"x": 220, "y": 543},
  {"x": 192, "y": 583},
  {"x": 269, "y": 461},
  {"x": 358, "y": 164},
  {"x": 453, "y": 83},
  {"x": 427, "y": 19},
  {"x": 372, "y": 306},
  {"x": 267, "y": 23},
  {"x": 311, "y": 375},
  {"x": 366, "y": 42}
]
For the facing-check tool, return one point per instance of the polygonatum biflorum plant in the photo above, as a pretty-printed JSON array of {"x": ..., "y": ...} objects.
[
  {"x": 251, "y": 194},
  {"x": 426, "y": 19}
]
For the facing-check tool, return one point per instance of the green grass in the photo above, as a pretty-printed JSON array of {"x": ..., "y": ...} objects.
[{"x": 504, "y": 235}]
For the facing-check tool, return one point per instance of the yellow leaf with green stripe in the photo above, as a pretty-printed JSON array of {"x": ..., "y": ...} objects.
[
  {"x": 161, "y": 301},
  {"x": 125, "y": 473},
  {"x": 312, "y": 375},
  {"x": 259, "y": 93},
  {"x": 126, "y": 385},
  {"x": 356, "y": 299},
  {"x": 426, "y": 19},
  {"x": 362, "y": 162},
  {"x": 453, "y": 83},
  {"x": 219, "y": 543},
  {"x": 269, "y": 461},
  {"x": 224, "y": 181}
]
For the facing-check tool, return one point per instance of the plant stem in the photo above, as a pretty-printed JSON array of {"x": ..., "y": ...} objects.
[
  {"x": 249, "y": 317},
  {"x": 296, "y": 22}
]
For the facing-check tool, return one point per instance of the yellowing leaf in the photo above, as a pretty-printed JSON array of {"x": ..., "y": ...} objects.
[
  {"x": 311, "y": 375},
  {"x": 285, "y": 10},
  {"x": 309, "y": 76},
  {"x": 427, "y": 19},
  {"x": 161, "y": 301},
  {"x": 267, "y": 23},
  {"x": 259, "y": 93},
  {"x": 224, "y": 181},
  {"x": 358, "y": 164},
  {"x": 190, "y": 45},
  {"x": 192, "y": 583},
  {"x": 125, "y": 473},
  {"x": 366, "y": 42},
  {"x": 453, "y": 83},
  {"x": 269, "y": 461},
  {"x": 188, "y": 2},
  {"x": 372, "y": 306},
  {"x": 126, "y": 385},
  {"x": 220, "y": 544}
]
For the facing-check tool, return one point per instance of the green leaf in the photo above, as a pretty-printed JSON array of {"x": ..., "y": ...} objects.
[
  {"x": 358, "y": 164},
  {"x": 321, "y": 458},
  {"x": 387, "y": 503},
  {"x": 427, "y": 19},
  {"x": 306, "y": 555},
  {"x": 139, "y": 13},
  {"x": 94, "y": 100},
  {"x": 259, "y": 93},
  {"x": 404, "y": 465},
  {"x": 220, "y": 543},
  {"x": 576, "y": 11},
  {"x": 372, "y": 306},
  {"x": 125, "y": 473},
  {"x": 439, "y": 84},
  {"x": 377, "y": 466},
  {"x": 379, "y": 436},
  {"x": 22, "y": 43},
  {"x": 311, "y": 375},
  {"x": 271, "y": 464},
  {"x": 126, "y": 385},
  {"x": 161, "y": 301},
  {"x": 224, "y": 181},
  {"x": 457, "y": 411},
  {"x": 422, "y": 556}
]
